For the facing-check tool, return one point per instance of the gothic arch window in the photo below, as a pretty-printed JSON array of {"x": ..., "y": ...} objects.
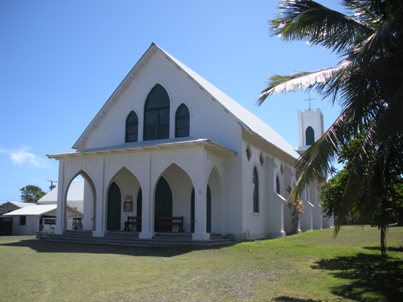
[
  {"x": 132, "y": 125},
  {"x": 309, "y": 136},
  {"x": 156, "y": 114},
  {"x": 255, "y": 182},
  {"x": 182, "y": 121},
  {"x": 278, "y": 191}
]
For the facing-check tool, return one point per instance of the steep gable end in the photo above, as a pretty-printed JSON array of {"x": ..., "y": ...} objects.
[{"x": 241, "y": 115}]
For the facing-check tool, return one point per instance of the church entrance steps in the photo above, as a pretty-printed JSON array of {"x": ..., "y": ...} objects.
[{"x": 131, "y": 239}]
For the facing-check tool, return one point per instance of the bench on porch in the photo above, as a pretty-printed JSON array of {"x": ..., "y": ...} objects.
[
  {"x": 170, "y": 222},
  {"x": 132, "y": 221}
]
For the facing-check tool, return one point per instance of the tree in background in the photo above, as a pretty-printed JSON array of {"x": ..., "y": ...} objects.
[
  {"x": 31, "y": 193},
  {"x": 368, "y": 85},
  {"x": 366, "y": 208}
]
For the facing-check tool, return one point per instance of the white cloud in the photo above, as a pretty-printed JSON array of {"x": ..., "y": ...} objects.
[{"x": 22, "y": 157}]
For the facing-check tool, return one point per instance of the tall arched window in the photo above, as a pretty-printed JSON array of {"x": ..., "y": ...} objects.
[
  {"x": 132, "y": 125},
  {"x": 255, "y": 182},
  {"x": 156, "y": 114},
  {"x": 309, "y": 136},
  {"x": 182, "y": 121},
  {"x": 278, "y": 191}
]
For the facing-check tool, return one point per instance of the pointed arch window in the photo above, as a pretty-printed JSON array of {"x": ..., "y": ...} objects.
[
  {"x": 132, "y": 125},
  {"x": 255, "y": 182},
  {"x": 182, "y": 121},
  {"x": 309, "y": 136},
  {"x": 156, "y": 114},
  {"x": 278, "y": 191}
]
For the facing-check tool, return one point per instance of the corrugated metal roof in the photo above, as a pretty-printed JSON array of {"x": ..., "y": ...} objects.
[
  {"x": 152, "y": 144},
  {"x": 21, "y": 204},
  {"x": 245, "y": 116},
  {"x": 33, "y": 210}
]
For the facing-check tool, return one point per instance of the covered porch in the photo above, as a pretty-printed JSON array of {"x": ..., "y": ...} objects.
[{"x": 143, "y": 191}]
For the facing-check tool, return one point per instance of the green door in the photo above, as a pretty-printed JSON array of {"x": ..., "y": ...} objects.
[
  {"x": 192, "y": 211},
  {"x": 163, "y": 205},
  {"x": 139, "y": 207},
  {"x": 114, "y": 208},
  {"x": 208, "y": 211}
]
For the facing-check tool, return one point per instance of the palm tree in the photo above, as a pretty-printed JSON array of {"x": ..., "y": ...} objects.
[{"x": 367, "y": 83}]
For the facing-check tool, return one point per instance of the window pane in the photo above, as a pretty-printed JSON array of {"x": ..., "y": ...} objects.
[
  {"x": 131, "y": 127},
  {"x": 182, "y": 121},
  {"x": 156, "y": 114},
  {"x": 255, "y": 191}
]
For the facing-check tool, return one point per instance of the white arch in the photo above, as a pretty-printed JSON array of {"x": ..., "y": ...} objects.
[{"x": 91, "y": 207}]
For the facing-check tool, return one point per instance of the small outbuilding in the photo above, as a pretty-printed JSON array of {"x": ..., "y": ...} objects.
[{"x": 40, "y": 218}]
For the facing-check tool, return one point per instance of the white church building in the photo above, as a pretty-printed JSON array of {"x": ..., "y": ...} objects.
[{"x": 169, "y": 152}]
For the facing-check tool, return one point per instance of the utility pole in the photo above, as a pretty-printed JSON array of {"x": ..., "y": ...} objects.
[{"x": 52, "y": 184}]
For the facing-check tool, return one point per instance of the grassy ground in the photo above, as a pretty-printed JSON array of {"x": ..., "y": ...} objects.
[{"x": 307, "y": 267}]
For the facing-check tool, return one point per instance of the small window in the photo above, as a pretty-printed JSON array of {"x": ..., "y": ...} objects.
[
  {"x": 23, "y": 220},
  {"x": 309, "y": 136},
  {"x": 255, "y": 182},
  {"x": 277, "y": 185},
  {"x": 182, "y": 121},
  {"x": 132, "y": 124}
]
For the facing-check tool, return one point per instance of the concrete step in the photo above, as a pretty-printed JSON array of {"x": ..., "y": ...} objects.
[{"x": 135, "y": 242}]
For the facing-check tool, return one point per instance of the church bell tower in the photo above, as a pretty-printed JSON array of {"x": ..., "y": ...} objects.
[{"x": 310, "y": 128}]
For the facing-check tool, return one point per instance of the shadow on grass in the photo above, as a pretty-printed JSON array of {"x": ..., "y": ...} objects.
[
  {"x": 392, "y": 248},
  {"x": 66, "y": 247},
  {"x": 368, "y": 277},
  {"x": 292, "y": 299}
]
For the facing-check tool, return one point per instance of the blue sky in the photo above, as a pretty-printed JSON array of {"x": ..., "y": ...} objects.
[{"x": 61, "y": 60}]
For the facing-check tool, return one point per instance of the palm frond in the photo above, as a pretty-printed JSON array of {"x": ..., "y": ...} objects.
[
  {"x": 366, "y": 12},
  {"x": 317, "y": 24},
  {"x": 315, "y": 162},
  {"x": 300, "y": 80}
]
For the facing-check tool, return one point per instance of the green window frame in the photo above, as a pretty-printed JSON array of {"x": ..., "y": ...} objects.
[
  {"x": 182, "y": 121},
  {"x": 156, "y": 114},
  {"x": 255, "y": 182},
  {"x": 132, "y": 125},
  {"x": 278, "y": 191},
  {"x": 309, "y": 136}
]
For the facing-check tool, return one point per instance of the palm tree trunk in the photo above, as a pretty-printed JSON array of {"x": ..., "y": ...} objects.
[{"x": 383, "y": 230}]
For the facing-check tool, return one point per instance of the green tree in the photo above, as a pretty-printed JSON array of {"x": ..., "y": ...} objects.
[
  {"x": 31, "y": 193},
  {"x": 367, "y": 83},
  {"x": 366, "y": 208}
]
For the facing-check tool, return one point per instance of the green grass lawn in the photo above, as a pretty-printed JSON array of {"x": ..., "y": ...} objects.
[{"x": 312, "y": 266}]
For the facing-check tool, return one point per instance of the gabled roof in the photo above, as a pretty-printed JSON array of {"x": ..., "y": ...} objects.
[
  {"x": 248, "y": 120},
  {"x": 21, "y": 204},
  {"x": 33, "y": 210},
  {"x": 75, "y": 193}
]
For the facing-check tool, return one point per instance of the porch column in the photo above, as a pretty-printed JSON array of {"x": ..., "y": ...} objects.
[
  {"x": 100, "y": 201},
  {"x": 200, "y": 215},
  {"x": 61, "y": 202},
  {"x": 147, "y": 225},
  {"x": 200, "y": 202},
  {"x": 99, "y": 212},
  {"x": 147, "y": 212}
]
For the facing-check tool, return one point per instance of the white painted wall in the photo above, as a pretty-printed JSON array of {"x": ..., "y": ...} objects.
[
  {"x": 306, "y": 118},
  {"x": 30, "y": 228},
  {"x": 221, "y": 127}
]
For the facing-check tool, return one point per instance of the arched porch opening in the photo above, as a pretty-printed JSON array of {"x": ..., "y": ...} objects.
[
  {"x": 123, "y": 200},
  {"x": 171, "y": 200},
  {"x": 80, "y": 205}
]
